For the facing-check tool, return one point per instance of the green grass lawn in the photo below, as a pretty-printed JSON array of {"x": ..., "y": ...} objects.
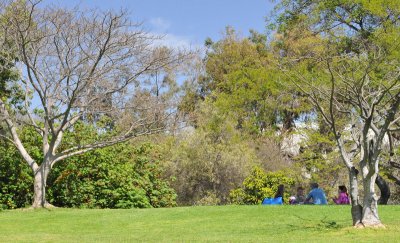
[{"x": 188, "y": 224}]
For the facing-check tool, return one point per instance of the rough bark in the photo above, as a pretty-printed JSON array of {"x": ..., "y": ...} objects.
[
  {"x": 356, "y": 208},
  {"x": 365, "y": 215},
  {"x": 369, "y": 168},
  {"x": 384, "y": 188},
  {"x": 39, "y": 197},
  {"x": 370, "y": 208}
]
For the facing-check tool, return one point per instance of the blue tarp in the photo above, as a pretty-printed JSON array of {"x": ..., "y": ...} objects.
[{"x": 272, "y": 201}]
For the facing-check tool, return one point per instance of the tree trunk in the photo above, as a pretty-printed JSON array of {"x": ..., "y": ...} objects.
[
  {"x": 356, "y": 208},
  {"x": 370, "y": 216},
  {"x": 39, "y": 197},
  {"x": 384, "y": 188}
]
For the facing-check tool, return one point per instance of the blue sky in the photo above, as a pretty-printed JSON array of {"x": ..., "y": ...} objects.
[{"x": 191, "y": 21}]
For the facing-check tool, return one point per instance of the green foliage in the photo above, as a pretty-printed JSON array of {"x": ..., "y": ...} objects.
[
  {"x": 210, "y": 161},
  {"x": 243, "y": 81},
  {"x": 121, "y": 176},
  {"x": 33, "y": 142},
  {"x": 16, "y": 178},
  {"x": 259, "y": 185},
  {"x": 9, "y": 75},
  {"x": 16, "y": 188},
  {"x": 319, "y": 162},
  {"x": 10, "y": 91}
]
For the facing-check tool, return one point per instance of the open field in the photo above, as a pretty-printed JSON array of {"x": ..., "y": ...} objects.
[{"x": 220, "y": 223}]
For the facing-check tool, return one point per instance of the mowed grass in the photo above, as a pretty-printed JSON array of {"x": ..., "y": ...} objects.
[{"x": 192, "y": 224}]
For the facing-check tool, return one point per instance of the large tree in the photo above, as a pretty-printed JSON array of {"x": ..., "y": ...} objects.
[
  {"x": 344, "y": 55},
  {"x": 90, "y": 66},
  {"x": 239, "y": 78}
]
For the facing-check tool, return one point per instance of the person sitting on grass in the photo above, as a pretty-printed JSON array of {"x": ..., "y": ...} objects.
[
  {"x": 280, "y": 192},
  {"x": 278, "y": 199},
  {"x": 299, "y": 198},
  {"x": 343, "y": 197},
  {"x": 317, "y": 195}
]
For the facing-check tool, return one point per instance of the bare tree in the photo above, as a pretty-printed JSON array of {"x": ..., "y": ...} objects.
[{"x": 81, "y": 66}]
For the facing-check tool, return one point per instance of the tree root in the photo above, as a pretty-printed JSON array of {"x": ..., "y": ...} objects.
[
  {"x": 49, "y": 206},
  {"x": 374, "y": 226},
  {"x": 359, "y": 226},
  {"x": 45, "y": 206},
  {"x": 27, "y": 209}
]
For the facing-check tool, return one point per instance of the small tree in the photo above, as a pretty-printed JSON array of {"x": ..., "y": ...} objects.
[{"x": 88, "y": 66}]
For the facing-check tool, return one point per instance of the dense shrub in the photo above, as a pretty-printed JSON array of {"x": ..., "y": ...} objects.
[
  {"x": 121, "y": 176},
  {"x": 16, "y": 181},
  {"x": 260, "y": 185},
  {"x": 16, "y": 178}
]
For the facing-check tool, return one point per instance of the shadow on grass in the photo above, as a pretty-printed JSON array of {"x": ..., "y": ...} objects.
[
  {"x": 314, "y": 225},
  {"x": 328, "y": 224}
]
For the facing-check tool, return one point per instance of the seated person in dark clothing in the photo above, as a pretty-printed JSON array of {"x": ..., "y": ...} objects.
[
  {"x": 280, "y": 192},
  {"x": 299, "y": 198}
]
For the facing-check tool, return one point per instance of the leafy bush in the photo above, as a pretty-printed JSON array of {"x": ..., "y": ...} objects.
[
  {"x": 260, "y": 185},
  {"x": 16, "y": 178},
  {"x": 120, "y": 176},
  {"x": 16, "y": 187},
  {"x": 210, "y": 199}
]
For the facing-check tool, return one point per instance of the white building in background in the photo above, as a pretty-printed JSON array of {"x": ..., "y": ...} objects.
[{"x": 292, "y": 142}]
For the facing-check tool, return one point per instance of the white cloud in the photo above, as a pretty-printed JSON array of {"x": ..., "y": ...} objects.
[
  {"x": 160, "y": 24},
  {"x": 175, "y": 41},
  {"x": 161, "y": 27}
]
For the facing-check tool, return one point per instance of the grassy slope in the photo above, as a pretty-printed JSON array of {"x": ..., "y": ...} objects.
[{"x": 224, "y": 223}]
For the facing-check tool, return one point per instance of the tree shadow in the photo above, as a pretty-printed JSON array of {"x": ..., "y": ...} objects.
[{"x": 315, "y": 225}]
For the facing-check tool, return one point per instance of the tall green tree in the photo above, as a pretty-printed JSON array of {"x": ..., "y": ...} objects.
[{"x": 240, "y": 78}]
